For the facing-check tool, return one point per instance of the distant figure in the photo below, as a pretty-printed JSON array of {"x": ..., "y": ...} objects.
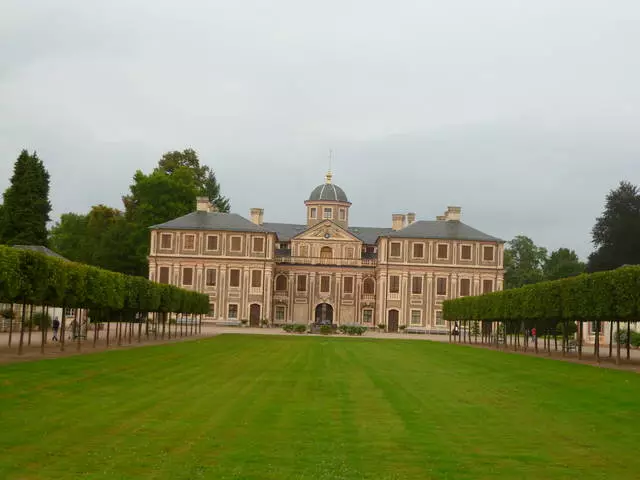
[
  {"x": 533, "y": 333},
  {"x": 455, "y": 329},
  {"x": 56, "y": 326},
  {"x": 72, "y": 329}
]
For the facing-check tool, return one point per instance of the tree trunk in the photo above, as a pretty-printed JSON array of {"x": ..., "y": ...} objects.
[
  {"x": 597, "y": 343},
  {"x": 617, "y": 342},
  {"x": 11, "y": 320},
  {"x": 610, "y": 339},
  {"x": 108, "y": 330},
  {"x": 628, "y": 340},
  {"x": 119, "y": 333},
  {"x": 580, "y": 337},
  {"x": 63, "y": 330},
  {"x": 30, "y": 323},
  {"x": 449, "y": 331},
  {"x": 79, "y": 327},
  {"x": 164, "y": 323},
  {"x": 20, "y": 345},
  {"x": 43, "y": 332},
  {"x": 140, "y": 328},
  {"x": 95, "y": 332}
]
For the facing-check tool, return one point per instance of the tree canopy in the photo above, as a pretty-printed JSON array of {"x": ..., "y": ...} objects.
[
  {"x": 26, "y": 208},
  {"x": 523, "y": 262},
  {"x": 562, "y": 263},
  {"x": 616, "y": 233}
]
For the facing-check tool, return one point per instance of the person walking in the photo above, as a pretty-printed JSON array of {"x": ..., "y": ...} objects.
[{"x": 55, "y": 326}]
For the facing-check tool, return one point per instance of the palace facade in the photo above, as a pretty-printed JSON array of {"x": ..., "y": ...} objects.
[{"x": 326, "y": 271}]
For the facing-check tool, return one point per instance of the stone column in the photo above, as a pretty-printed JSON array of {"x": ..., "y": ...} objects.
[
  {"x": 293, "y": 285},
  {"x": 429, "y": 302},
  {"x": 311, "y": 291},
  {"x": 222, "y": 293},
  {"x": 358, "y": 297},
  {"x": 268, "y": 293},
  {"x": 382, "y": 292},
  {"x": 244, "y": 293},
  {"x": 338, "y": 297},
  {"x": 199, "y": 280},
  {"x": 404, "y": 299}
]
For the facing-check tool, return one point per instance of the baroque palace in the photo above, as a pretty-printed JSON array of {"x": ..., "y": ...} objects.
[{"x": 325, "y": 271}]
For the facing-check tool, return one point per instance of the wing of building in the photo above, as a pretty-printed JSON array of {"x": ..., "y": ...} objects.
[{"x": 325, "y": 270}]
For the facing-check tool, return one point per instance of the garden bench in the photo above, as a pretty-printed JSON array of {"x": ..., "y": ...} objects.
[{"x": 228, "y": 323}]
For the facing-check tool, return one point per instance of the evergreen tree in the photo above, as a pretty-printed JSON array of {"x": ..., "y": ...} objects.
[
  {"x": 616, "y": 233},
  {"x": 26, "y": 208}
]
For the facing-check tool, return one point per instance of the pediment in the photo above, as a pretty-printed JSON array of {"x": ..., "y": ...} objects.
[{"x": 326, "y": 231}]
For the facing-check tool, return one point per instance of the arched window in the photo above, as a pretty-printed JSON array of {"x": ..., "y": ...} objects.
[
  {"x": 281, "y": 283},
  {"x": 326, "y": 252},
  {"x": 368, "y": 286}
]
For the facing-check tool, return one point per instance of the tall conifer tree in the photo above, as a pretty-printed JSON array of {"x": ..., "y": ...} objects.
[{"x": 26, "y": 208}]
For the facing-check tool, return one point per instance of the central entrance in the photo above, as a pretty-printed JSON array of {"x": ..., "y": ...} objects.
[
  {"x": 324, "y": 314},
  {"x": 254, "y": 315}
]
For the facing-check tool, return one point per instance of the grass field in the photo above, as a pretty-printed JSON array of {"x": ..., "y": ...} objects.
[{"x": 276, "y": 407}]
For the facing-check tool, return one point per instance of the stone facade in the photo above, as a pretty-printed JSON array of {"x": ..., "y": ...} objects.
[{"x": 324, "y": 271}]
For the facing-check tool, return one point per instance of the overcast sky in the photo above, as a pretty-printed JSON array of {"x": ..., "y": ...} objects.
[{"x": 524, "y": 113}]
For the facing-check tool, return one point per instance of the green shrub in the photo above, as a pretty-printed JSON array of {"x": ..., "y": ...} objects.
[
  {"x": 326, "y": 330},
  {"x": 40, "y": 320},
  {"x": 381, "y": 326},
  {"x": 288, "y": 327},
  {"x": 264, "y": 322},
  {"x": 8, "y": 313},
  {"x": 402, "y": 328},
  {"x": 244, "y": 321},
  {"x": 299, "y": 328},
  {"x": 635, "y": 337},
  {"x": 343, "y": 329},
  {"x": 355, "y": 330}
]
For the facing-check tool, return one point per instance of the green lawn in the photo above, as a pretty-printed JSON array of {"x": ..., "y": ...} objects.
[{"x": 276, "y": 407}]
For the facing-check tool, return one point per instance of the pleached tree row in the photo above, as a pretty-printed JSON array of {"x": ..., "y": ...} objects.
[
  {"x": 611, "y": 296},
  {"x": 29, "y": 278}
]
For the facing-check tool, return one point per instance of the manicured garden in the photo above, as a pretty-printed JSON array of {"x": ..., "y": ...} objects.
[{"x": 298, "y": 407}]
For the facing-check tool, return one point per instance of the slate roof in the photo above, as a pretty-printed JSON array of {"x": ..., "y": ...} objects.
[
  {"x": 211, "y": 221},
  {"x": 453, "y": 230},
  {"x": 328, "y": 191},
  {"x": 40, "y": 249},
  {"x": 286, "y": 231}
]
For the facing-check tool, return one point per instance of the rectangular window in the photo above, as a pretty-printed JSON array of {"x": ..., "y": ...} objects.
[
  {"x": 328, "y": 213},
  {"x": 236, "y": 244},
  {"x": 212, "y": 242},
  {"x": 189, "y": 242},
  {"x": 342, "y": 214},
  {"x": 441, "y": 286},
  {"x": 394, "y": 284},
  {"x": 302, "y": 283},
  {"x": 367, "y": 315},
  {"x": 280, "y": 313},
  {"x": 348, "y": 285},
  {"x": 234, "y": 277},
  {"x": 418, "y": 250},
  {"x": 395, "y": 249},
  {"x": 416, "y": 285},
  {"x": 487, "y": 286},
  {"x": 210, "y": 280},
  {"x": 487, "y": 253},
  {"x": 439, "y": 320},
  {"x": 465, "y": 287},
  {"x": 233, "y": 311},
  {"x": 164, "y": 275},
  {"x": 325, "y": 283},
  {"x": 465, "y": 252},
  {"x": 416, "y": 317},
  {"x": 212, "y": 309},
  {"x": 258, "y": 244},
  {"x": 165, "y": 240},
  {"x": 350, "y": 252},
  {"x": 443, "y": 251},
  {"x": 256, "y": 278},
  {"x": 314, "y": 213},
  {"x": 187, "y": 276}
]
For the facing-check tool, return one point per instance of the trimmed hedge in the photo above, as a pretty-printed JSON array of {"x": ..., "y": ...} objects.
[
  {"x": 33, "y": 278},
  {"x": 602, "y": 296}
]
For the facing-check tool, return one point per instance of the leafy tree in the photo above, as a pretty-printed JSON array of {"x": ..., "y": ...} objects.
[
  {"x": 69, "y": 238},
  {"x": 26, "y": 208},
  {"x": 523, "y": 262},
  {"x": 615, "y": 234},
  {"x": 562, "y": 263}
]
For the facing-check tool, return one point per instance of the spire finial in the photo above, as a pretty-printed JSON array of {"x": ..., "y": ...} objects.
[{"x": 329, "y": 174}]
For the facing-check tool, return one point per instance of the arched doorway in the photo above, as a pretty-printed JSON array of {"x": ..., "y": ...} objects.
[
  {"x": 392, "y": 321},
  {"x": 324, "y": 314},
  {"x": 254, "y": 315},
  {"x": 326, "y": 254}
]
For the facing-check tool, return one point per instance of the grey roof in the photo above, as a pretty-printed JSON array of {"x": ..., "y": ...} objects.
[
  {"x": 453, "y": 229},
  {"x": 40, "y": 249},
  {"x": 328, "y": 191},
  {"x": 211, "y": 221},
  {"x": 286, "y": 231}
]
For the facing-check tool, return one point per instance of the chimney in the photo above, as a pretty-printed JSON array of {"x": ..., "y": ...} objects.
[
  {"x": 397, "y": 221},
  {"x": 411, "y": 217},
  {"x": 257, "y": 215},
  {"x": 203, "y": 204},
  {"x": 453, "y": 214},
  {"x": 441, "y": 217}
]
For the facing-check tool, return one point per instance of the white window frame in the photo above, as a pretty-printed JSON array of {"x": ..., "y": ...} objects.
[
  {"x": 493, "y": 253},
  {"x": 391, "y": 250},
  {"x": 306, "y": 282},
  {"x": 206, "y": 246},
  {"x": 283, "y": 308},
  {"x": 160, "y": 267},
  {"x": 424, "y": 250},
  {"x": 184, "y": 242},
  {"x": 470, "y": 249},
  {"x": 411, "y": 322},
  {"x": 435, "y": 319},
  {"x": 367, "y": 310},
  {"x": 239, "y": 278},
  {"x": 212, "y": 309},
  {"x": 206, "y": 277},
  {"x": 446, "y": 286},
  {"x": 286, "y": 284},
  {"x": 399, "y": 285},
  {"x": 438, "y": 257},
  {"x": 251, "y": 278},
  {"x": 460, "y": 287},
  {"x": 353, "y": 284},
  {"x": 229, "y": 317},
  {"x": 320, "y": 286},
  {"x": 421, "y": 284},
  {"x": 493, "y": 285},
  {"x": 342, "y": 214},
  {"x": 231, "y": 237},
  {"x": 313, "y": 213},
  {"x": 253, "y": 244},
  {"x": 170, "y": 247},
  {"x": 182, "y": 277},
  {"x": 328, "y": 210}
]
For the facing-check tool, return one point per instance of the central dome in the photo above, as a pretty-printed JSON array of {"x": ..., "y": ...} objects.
[{"x": 328, "y": 192}]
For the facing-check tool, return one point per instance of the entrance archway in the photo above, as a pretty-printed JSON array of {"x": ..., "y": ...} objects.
[
  {"x": 392, "y": 320},
  {"x": 324, "y": 314},
  {"x": 254, "y": 315}
]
